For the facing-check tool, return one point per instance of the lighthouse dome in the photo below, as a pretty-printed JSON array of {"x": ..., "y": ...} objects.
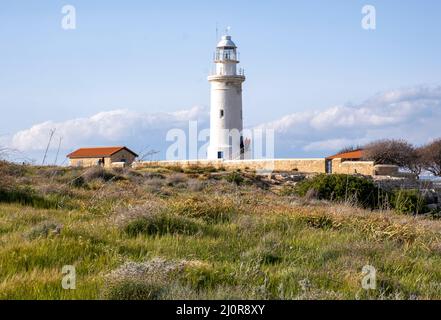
[{"x": 226, "y": 42}]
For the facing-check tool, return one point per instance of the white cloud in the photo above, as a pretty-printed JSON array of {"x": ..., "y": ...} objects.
[
  {"x": 412, "y": 113},
  {"x": 118, "y": 127}
]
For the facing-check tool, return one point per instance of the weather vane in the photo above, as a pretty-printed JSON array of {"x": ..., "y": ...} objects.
[{"x": 227, "y": 30}]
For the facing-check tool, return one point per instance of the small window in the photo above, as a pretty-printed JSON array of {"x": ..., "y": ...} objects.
[
  {"x": 220, "y": 155},
  {"x": 221, "y": 113}
]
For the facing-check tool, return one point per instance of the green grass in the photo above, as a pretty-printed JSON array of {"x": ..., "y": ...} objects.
[{"x": 223, "y": 242}]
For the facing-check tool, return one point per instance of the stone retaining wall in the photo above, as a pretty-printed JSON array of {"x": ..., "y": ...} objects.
[
  {"x": 301, "y": 165},
  {"x": 353, "y": 167}
]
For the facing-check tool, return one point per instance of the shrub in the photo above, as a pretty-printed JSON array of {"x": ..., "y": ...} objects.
[
  {"x": 98, "y": 172},
  {"x": 176, "y": 179},
  {"x": 134, "y": 289},
  {"x": 26, "y": 197},
  {"x": 12, "y": 169},
  {"x": 43, "y": 230},
  {"x": 78, "y": 182},
  {"x": 235, "y": 177},
  {"x": 194, "y": 169},
  {"x": 196, "y": 185},
  {"x": 154, "y": 185},
  {"x": 288, "y": 190},
  {"x": 175, "y": 168},
  {"x": 408, "y": 201},
  {"x": 162, "y": 223},
  {"x": 342, "y": 188},
  {"x": 361, "y": 191},
  {"x": 199, "y": 276},
  {"x": 212, "y": 211},
  {"x": 142, "y": 281},
  {"x": 269, "y": 251}
]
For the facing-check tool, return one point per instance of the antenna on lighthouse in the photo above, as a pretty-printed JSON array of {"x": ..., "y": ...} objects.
[
  {"x": 217, "y": 32},
  {"x": 227, "y": 31}
]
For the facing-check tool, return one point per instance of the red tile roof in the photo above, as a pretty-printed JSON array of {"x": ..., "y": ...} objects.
[
  {"x": 98, "y": 152},
  {"x": 356, "y": 154}
]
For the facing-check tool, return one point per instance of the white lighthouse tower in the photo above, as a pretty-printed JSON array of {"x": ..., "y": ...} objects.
[{"x": 226, "y": 123}]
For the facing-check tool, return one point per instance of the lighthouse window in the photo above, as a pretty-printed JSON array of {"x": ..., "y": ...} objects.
[{"x": 221, "y": 113}]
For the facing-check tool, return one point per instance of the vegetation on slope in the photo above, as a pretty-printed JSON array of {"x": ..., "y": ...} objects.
[{"x": 162, "y": 234}]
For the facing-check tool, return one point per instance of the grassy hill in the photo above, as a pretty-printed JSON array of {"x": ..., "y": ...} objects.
[{"x": 201, "y": 234}]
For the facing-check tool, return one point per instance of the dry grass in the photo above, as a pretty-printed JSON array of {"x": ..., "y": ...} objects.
[{"x": 174, "y": 235}]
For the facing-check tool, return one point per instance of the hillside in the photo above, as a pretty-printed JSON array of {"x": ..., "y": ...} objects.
[{"x": 201, "y": 234}]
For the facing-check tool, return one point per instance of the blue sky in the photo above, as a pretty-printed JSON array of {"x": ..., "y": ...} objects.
[{"x": 149, "y": 57}]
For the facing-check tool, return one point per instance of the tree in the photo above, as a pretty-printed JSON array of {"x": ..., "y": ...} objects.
[
  {"x": 350, "y": 149},
  {"x": 431, "y": 157},
  {"x": 396, "y": 152}
]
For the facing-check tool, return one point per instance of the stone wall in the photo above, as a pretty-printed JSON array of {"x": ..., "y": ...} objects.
[
  {"x": 353, "y": 167},
  {"x": 386, "y": 170},
  {"x": 301, "y": 165},
  {"x": 367, "y": 168},
  {"x": 87, "y": 162}
]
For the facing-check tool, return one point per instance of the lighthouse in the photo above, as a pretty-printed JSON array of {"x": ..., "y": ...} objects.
[{"x": 226, "y": 121}]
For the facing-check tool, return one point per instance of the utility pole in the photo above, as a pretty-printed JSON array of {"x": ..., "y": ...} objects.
[
  {"x": 48, "y": 145},
  {"x": 58, "y": 151}
]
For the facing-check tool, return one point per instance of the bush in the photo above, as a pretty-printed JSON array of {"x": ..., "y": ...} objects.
[
  {"x": 196, "y": 185},
  {"x": 408, "y": 202},
  {"x": 161, "y": 224},
  {"x": 343, "y": 188},
  {"x": 235, "y": 177},
  {"x": 194, "y": 169},
  {"x": 26, "y": 197},
  {"x": 43, "y": 230},
  {"x": 211, "y": 211},
  {"x": 142, "y": 281},
  {"x": 176, "y": 179},
  {"x": 269, "y": 251},
  {"x": 98, "y": 172},
  {"x": 361, "y": 191},
  {"x": 78, "y": 182},
  {"x": 130, "y": 289},
  {"x": 202, "y": 276},
  {"x": 12, "y": 169}
]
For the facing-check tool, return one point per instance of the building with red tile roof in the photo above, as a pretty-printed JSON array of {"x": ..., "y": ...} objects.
[{"x": 102, "y": 156}]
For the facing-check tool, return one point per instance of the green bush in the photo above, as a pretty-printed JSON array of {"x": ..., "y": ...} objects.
[
  {"x": 362, "y": 191},
  {"x": 161, "y": 224},
  {"x": 205, "y": 276},
  {"x": 133, "y": 289},
  {"x": 43, "y": 230},
  {"x": 12, "y": 169},
  {"x": 98, "y": 172},
  {"x": 408, "y": 201},
  {"x": 235, "y": 177},
  {"x": 212, "y": 211},
  {"x": 78, "y": 182},
  {"x": 194, "y": 169},
  {"x": 343, "y": 188},
  {"x": 27, "y": 197}
]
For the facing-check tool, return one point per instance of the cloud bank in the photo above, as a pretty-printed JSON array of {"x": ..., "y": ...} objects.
[{"x": 411, "y": 113}]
